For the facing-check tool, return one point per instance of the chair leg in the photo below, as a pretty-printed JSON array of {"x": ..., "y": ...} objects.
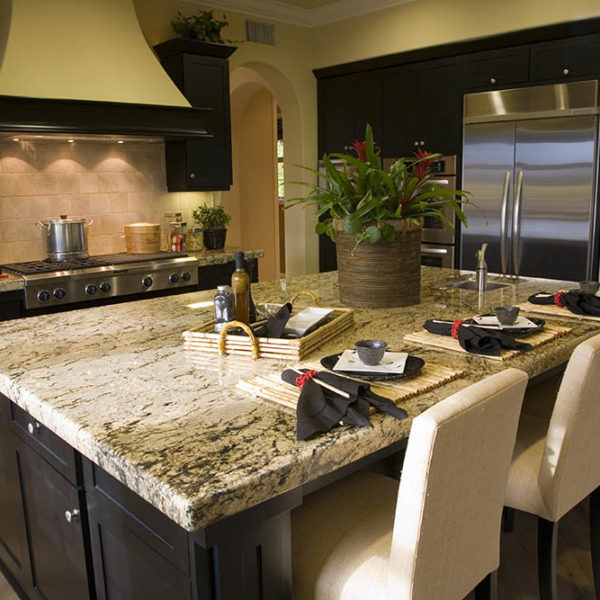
[
  {"x": 595, "y": 537},
  {"x": 547, "y": 538},
  {"x": 487, "y": 589},
  {"x": 508, "y": 519}
]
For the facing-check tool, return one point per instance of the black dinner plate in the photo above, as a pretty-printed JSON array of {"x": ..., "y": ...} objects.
[
  {"x": 517, "y": 332},
  {"x": 413, "y": 365}
]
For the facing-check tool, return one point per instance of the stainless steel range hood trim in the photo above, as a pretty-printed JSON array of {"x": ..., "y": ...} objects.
[{"x": 47, "y": 115}]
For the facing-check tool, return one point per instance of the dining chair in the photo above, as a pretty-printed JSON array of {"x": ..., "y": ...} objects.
[
  {"x": 556, "y": 462},
  {"x": 436, "y": 536}
]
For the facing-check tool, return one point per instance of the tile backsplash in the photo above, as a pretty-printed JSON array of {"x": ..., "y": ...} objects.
[{"x": 111, "y": 183}]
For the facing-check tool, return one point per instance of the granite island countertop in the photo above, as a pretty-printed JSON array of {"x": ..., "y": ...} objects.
[
  {"x": 115, "y": 383},
  {"x": 11, "y": 282}
]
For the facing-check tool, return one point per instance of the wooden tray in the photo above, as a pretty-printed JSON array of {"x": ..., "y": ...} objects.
[
  {"x": 560, "y": 312},
  {"x": 203, "y": 339},
  {"x": 442, "y": 342}
]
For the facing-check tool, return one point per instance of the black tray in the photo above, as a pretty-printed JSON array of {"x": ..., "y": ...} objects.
[
  {"x": 516, "y": 332},
  {"x": 413, "y": 365}
]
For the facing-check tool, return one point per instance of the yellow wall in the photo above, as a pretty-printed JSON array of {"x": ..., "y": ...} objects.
[{"x": 432, "y": 22}]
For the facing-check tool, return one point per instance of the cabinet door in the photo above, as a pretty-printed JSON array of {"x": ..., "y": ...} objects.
[
  {"x": 138, "y": 552},
  {"x": 13, "y": 536},
  {"x": 440, "y": 107},
  {"x": 206, "y": 84},
  {"x": 572, "y": 57},
  {"x": 365, "y": 99},
  {"x": 401, "y": 111},
  {"x": 58, "y": 558},
  {"x": 335, "y": 119},
  {"x": 496, "y": 68}
]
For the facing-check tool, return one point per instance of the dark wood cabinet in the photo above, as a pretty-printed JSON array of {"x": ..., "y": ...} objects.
[
  {"x": 496, "y": 68},
  {"x": 210, "y": 276},
  {"x": 334, "y": 118},
  {"x": 422, "y": 106},
  {"x": 54, "y": 513},
  {"x": 201, "y": 71},
  {"x": 561, "y": 59}
]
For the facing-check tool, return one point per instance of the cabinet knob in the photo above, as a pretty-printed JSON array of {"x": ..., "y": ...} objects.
[
  {"x": 34, "y": 428},
  {"x": 493, "y": 80},
  {"x": 416, "y": 143},
  {"x": 421, "y": 143},
  {"x": 72, "y": 515},
  {"x": 192, "y": 175},
  {"x": 565, "y": 71}
]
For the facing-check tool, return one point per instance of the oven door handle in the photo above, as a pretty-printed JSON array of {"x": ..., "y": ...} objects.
[
  {"x": 435, "y": 251},
  {"x": 504, "y": 225},
  {"x": 439, "y": 181}
]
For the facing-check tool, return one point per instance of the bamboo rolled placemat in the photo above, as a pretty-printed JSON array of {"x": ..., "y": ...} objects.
[
  {"x": 274, "y": 389},
  {"x": 560, "y": 312},
  {"x": 443, "y": 342}
]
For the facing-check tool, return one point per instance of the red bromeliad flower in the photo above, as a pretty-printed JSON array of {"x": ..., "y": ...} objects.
[
  {"x": 422, "y": 167},
  {"x": 361, "y": 150}
]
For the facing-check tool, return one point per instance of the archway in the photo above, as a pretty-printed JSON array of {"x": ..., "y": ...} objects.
[{"x": 257, "y": 88}]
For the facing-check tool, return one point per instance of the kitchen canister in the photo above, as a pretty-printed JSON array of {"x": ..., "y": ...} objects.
[{"x": 142, "y": 238}]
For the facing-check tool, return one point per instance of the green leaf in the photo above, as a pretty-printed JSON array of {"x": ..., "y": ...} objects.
[
  {"x": 373, "y": 234},
  {"x": 388, "y": 232},
  {"x": 350, "y": 224}
]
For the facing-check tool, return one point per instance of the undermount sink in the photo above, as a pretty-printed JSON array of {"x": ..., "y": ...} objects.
[{"x": 471, "y": 284}]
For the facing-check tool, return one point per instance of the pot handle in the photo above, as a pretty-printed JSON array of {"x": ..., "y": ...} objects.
[
  {"x": 41, "y": 225},
  {"x": 88, "y": 222}
]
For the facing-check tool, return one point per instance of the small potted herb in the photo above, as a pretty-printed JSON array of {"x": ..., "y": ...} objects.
[
  {"x": 213, "y": 220},
  {"x": 203, "y": 26}
]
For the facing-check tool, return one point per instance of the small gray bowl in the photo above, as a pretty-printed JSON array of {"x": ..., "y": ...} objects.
[
  {"x": 370, "y": 352},
  {"x": 589, "y": 287},
  {"x": 507, "y": 315}
]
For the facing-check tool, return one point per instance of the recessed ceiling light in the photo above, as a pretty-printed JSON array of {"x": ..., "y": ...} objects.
[
  {"x": 120, "y": 142},
  {"x": 16, "y": 139},
  {"x": 70, "y": 140}
]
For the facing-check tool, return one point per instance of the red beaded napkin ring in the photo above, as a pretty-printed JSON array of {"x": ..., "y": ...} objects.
[
  {"x": 455, "y": 326},
  {"x": 302, "y": 379},
  {"x": 558, "y": 298}
]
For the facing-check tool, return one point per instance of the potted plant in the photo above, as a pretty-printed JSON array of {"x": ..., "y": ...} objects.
[
  {"x": 213, "y": 220},
  {"x": 203, "y": 26},
  {"x": 375, "y": 217}
]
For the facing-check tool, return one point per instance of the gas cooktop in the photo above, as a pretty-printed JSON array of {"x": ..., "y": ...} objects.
[{"x": 51, "y": 283}]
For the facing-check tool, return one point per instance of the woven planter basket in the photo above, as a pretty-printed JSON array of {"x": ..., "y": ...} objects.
[{"x": 383, "y": 274}]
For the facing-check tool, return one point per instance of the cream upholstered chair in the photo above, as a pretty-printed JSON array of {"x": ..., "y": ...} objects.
[
  {"x": 437, "y": 536},
  {"x": 556, "y": 462}
]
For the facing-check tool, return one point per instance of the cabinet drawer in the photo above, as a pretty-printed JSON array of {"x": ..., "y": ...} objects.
[
  {"x": 496, "y": 68},
  {"x": 573, "y": 57},
  {"x": 52, "y": 448}
]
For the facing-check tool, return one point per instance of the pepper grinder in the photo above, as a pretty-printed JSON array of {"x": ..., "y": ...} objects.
[{"x": 481, "y": 271}]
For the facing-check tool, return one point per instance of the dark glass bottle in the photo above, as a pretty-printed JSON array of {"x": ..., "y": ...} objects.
[
  {"x": 223, "y": 307},
  {"x": 240, "y": 285}
]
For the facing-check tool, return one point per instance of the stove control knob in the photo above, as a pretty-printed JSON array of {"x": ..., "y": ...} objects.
[
  {"x": 105, "y": 287},
  {"x": 43, "y": 296},
  {"x": 186, "y": 276},
  {"x": 147, "y": 282},
  {"x": 90, "y": 289},
  {"x": 174, "y": 278},
  {"x": 59, "y": 293}
]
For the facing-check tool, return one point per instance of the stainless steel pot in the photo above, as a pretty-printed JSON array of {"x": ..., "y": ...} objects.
[{"x": 65, "y": 238}]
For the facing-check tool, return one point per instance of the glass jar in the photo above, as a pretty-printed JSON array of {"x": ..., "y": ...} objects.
[
  {"x": 169, "y": 217},
  {"x": 177, "y": 237},
  {"x": 194, "y": 239}
]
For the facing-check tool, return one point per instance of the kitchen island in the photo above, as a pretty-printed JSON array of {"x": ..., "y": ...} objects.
[{"x": 171, "y": 442}]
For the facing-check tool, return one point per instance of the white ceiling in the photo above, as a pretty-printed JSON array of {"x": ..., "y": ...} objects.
[{"x": 307, "y": 13}]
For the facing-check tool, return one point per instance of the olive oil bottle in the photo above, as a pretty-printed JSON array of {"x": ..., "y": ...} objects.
[{"x": 240, "y": 285}]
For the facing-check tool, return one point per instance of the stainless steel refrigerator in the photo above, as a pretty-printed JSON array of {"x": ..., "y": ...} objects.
[{"x": 530, "y": 160}]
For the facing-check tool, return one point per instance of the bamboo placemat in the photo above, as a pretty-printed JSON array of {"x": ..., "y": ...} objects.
[
  {"x": 272, "y": 388},
  {"x": 443, "y": 342},
  {"x": 560, "y": 312}
]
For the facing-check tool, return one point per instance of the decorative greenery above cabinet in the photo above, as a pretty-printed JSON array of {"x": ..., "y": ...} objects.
[{"x": 201, "y": 71}]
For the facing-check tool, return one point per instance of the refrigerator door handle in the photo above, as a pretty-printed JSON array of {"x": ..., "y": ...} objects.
[
  {"x": 504, "y": 225},
  {"x": 516, "y": 241}
]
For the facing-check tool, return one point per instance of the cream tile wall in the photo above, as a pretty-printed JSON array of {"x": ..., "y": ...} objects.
[{"x": 111, "y": 183}]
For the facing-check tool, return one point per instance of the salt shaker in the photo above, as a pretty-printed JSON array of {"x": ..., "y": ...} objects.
[{"x": 223, "y": 306}]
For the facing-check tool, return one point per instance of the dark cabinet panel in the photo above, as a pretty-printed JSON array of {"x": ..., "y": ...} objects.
[
  {"x": 496, "y": 68},
  {"x": 400, "y": 112},
  {"x": 335, "y": 118},
  {"x": 54, "y": 515},
  {"x": 200, "y": 164},
  {"x": 210, "y": 276},
  {"x": 13, "y": 536},
  {"x": 572, "y": 57},
  {"x": 138, "y": 552},
  {"x": 365, "y": 98},
  {"x": 440, "y": 109}
]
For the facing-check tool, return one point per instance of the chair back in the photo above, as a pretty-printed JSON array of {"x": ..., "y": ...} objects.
[
  {"x": 446, "y": 535},
  {"x": 570, "y": 467}
]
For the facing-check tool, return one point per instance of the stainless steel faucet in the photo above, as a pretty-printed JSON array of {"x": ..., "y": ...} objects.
[{"x": 481, "y": 271}]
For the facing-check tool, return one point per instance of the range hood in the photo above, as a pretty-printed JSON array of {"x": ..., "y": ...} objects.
[{"x": 83, "y": 66}]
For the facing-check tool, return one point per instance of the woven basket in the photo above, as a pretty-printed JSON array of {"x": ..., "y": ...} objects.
[{"x": 383, "y": 274}]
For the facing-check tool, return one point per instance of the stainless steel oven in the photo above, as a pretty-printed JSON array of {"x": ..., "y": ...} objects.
[{"x": 439, "y": 255}]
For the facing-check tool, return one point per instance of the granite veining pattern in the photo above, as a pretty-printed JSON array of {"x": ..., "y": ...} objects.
[
  {"x": 115, "y": 383},
  {"x": 11, "y": 282}
]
